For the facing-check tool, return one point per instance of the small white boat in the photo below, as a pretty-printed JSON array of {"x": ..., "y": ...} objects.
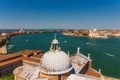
[
  {"x": 65, "y": 41},
  {"x": 11, "y": 46}
]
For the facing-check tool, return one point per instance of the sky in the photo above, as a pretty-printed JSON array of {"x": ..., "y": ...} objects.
[{"x": 59, "y": 14}]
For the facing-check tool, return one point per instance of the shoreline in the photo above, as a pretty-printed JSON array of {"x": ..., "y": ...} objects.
[{"x": 93, "y": 33}]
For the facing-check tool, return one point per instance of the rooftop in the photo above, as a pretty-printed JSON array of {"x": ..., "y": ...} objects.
[
  {"x": 9, "y": 56},
  {"x": 31, "y": 60},
  {"x": 11, "y": 61},
  {"x": 78, "y": 62},
  {"x": 13, "y": 57},
  {"x": 81, "y": 77},
  {"x": 27, "y": 72}
]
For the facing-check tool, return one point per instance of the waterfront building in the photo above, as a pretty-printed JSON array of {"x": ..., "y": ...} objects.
[
  {"x": 94, "y": 33},
  {"x": 11, "y": 61},
  {"x": 55, "y": 64},
  {"x": 4, "y": 34},
  {"x": 21, "y": 30},
  {"x": 3, "y": 49}
]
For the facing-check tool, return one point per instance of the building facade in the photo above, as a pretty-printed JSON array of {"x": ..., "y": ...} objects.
[{"x": 11, "y": 61}]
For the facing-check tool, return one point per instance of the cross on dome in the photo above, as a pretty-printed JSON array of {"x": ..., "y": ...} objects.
[{"x": 54, "y": 36}]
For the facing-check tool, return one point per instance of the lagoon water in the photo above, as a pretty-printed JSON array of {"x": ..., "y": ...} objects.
[{"x": 105, "y": 53}]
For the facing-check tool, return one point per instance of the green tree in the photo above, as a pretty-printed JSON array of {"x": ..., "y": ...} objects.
[{"x": 8, "y": 77}]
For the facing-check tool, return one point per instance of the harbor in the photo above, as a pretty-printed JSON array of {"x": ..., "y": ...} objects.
[{"x": 97, "y": 47}]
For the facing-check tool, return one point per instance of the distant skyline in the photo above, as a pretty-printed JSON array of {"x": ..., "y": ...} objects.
[{"x": 59, "y": 14}]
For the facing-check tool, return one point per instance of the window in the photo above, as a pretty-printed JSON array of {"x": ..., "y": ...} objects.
[{"x": 59, "y": 77}]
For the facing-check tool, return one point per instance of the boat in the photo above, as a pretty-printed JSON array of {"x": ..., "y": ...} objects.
[{"x": 11, "y": 46}]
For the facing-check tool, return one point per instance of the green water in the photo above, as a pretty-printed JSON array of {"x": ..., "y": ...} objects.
[{"x": 105, "y": 53}]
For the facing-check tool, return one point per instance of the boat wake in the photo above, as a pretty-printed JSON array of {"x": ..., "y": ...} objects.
[
  {"x": 88, "y": 43},
  {"x": 26, "y": 40},
  {"x": 108, "y": 54},
  {"x": 65, "y": 41}
]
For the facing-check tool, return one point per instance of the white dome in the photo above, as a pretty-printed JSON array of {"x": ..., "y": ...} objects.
[
  {"x": 55, "y": 41},
  {"x": 55, "y": 61},
  {"x": 3, "y": 34},
  {"x": 94, "y": 29}
]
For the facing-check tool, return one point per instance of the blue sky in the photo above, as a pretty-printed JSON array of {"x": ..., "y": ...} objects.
[{"x": 60, "y": 14}]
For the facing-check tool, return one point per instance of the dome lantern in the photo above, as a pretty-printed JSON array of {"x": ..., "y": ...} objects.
[{"x": 55, "y": 44}]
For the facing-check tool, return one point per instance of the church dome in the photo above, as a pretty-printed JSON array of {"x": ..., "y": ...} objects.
[{"x": 55, "y": 60}]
